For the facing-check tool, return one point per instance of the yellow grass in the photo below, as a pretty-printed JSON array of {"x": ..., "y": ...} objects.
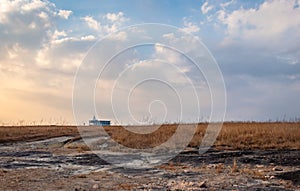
[
  {"x": 260, "y": 135},
  {"x": 242, "y": 135},
  {"x": 26, "y": 133}
]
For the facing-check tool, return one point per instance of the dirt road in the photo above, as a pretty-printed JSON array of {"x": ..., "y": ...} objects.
[{"x": 55, "y": 164}]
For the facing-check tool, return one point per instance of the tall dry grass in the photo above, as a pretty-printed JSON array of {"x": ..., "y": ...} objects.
[
  {"x": 241, "y": 135},
  {"x": 30, "y": 133},
  {"x": 275, "y": 135}
]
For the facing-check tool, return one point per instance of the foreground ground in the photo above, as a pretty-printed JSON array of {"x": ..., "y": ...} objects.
[{"x": 31, "y": 159}]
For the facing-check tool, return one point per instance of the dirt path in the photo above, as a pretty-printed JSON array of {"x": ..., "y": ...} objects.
[{"x": 51, "y": 165}]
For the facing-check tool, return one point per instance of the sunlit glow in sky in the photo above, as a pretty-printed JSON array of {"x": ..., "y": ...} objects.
[{"x": 42, "y": 43}]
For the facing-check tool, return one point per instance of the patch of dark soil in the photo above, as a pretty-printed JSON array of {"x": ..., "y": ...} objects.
[
  {"x": 26, "y": 154},
  {"x": 132, "y": 171},
  {"x": 271, "y": 188},
  {"x": 20, "y": 165},
  {"x": 265, "y": 157},
  {"x": 86, "y": 160},
  {"x": 182, "y": 174},
  {"x": 33, "y": 159},
  {"x": 294, "y": 176},
  {"x": 210, "y": 157},
  {"x": 276, "y": 157}
]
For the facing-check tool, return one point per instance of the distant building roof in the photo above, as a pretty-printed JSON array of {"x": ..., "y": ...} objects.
[{"x": 97, "y": 122}]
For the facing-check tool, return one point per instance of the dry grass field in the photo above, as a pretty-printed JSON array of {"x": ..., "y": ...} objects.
[
  {"x": 260, "y": 135},
  {"x": 32, "y": 133},
  {"x": 239, "y": 135}
]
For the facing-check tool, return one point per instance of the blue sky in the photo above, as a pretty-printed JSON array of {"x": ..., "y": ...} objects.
[{"x": 43, "y": 42}]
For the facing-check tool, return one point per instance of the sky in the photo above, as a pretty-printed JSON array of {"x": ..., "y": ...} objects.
[{"x": 43, "y": 43}]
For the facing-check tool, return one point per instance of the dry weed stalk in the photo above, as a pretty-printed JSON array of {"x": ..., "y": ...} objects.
[{"x": 234, "y": 166}]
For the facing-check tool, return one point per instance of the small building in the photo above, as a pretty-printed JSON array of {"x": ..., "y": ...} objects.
[{"x": 96, "y": 122}]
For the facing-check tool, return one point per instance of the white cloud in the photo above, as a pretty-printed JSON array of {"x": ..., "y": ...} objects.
[
  {"x": 167, "y": 55},
  {"x": 59, "y": 37},
  {"x": 64, "y": 13},
  {"x": 9, "y": 9},
  {"x": 33, "y": 5},
  {"x": 116, "y": 17},
  {"x": 58, "y": 34},
  {"x": 32, "y": 25},
  {"x": 271, "y": 22},
  {"x": 91, "y": 22},
  {"x": 42, "y": 59},
  {"x": 43, "y": 15},
  {"x": 160, "y": 69},
  {"x": 25, "y": 23},
  {"x": 169, "y": 36},
  {"x": 120, "y": 36},
  {"x": 110, "y": 28},
  {"x": 205, "y": 8},
  {"x": 88, "y": 38},
  {"x": 66, "y": 39},
  {"x": 16, "y": 51},
  {"x": 116, "y": 20},
  {"x": 226, "y": 4},
  {"x": 190, "y": 27},
  {"x": 63, "y": 40},
  {"x": 109, "y": 23},
  {"x": 184, "y": 42}
]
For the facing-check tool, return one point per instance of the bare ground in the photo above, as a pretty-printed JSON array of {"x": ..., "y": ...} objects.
[{"x": 63, "y": 163}]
